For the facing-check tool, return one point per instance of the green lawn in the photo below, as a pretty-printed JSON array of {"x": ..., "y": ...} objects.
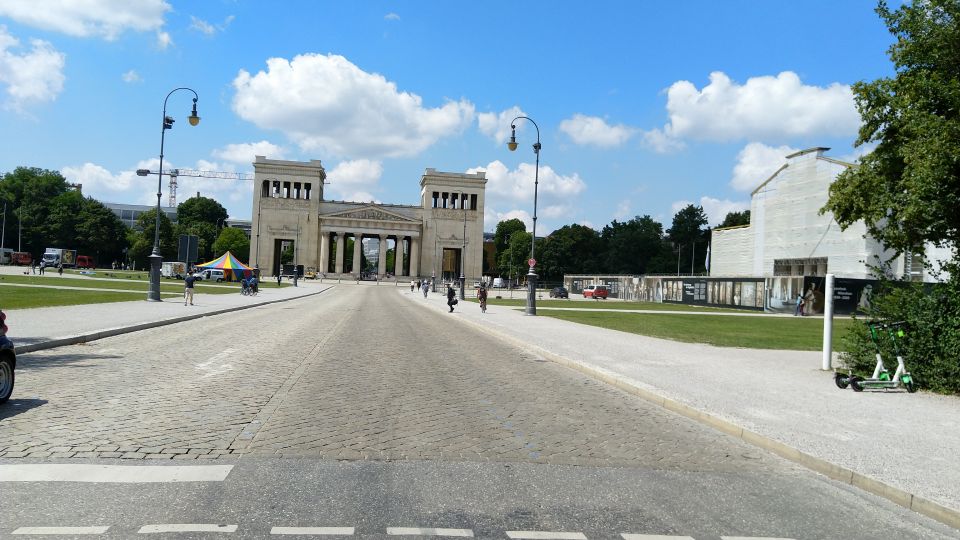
[
  {"x": 521, "y": 301},
  {"x": 29, "y": 297},
  {"x": 145, "y": 276},
  {"x": 792, "y": 333},
  {"x": 166, "y": 285}
]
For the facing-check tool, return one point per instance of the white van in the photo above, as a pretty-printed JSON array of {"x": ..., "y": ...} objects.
[
  {"x": 210, "y": 274},
  {"x": 6, "y": 256}
]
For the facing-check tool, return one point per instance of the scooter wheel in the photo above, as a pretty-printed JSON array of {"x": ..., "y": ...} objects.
[
  {"x": 908, "y": 384},
  {"x": 855, "y": 383},
  {"x": 842, "y": 381}
]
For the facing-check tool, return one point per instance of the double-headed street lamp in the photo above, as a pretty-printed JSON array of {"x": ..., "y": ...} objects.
[
  {"x": 153, "y": 293},
  {"x": 532, "y": 276}
]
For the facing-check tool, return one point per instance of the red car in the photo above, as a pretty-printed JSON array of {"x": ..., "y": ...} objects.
[{"x": 596, "y": 292}]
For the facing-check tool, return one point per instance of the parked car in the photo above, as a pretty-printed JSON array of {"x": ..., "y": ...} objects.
[
  {"x": 85, "y": 261},
  {"x": 210, "y": 274},
  {"x": 8, "y": 361},
  {"x": 596, "y": 292},
  {"x": 559, "y": 292}
]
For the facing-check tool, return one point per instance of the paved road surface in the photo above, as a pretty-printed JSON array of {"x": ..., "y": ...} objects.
[{"x": 358, "y": 410}]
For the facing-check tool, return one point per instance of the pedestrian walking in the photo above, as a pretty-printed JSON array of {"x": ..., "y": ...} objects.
[
  {"x": 451, "y": 297},
  {"x": 413, "y": 282},
  {"x": 43, "y": 264},
  {"x": 799, "y": 310},
  {"x": 482, "y": 296},
  {"x": 425, "y": 287},
  {"x": 33, "y": 267},
  {"x": 60, "y": 269},
  {"x": 188, "y": 289}
]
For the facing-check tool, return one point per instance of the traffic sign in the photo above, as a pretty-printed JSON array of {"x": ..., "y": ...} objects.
[{"x": 532, "y": 262}]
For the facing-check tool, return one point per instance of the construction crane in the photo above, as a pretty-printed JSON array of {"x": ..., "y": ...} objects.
[{"x": 174, "y": 173}]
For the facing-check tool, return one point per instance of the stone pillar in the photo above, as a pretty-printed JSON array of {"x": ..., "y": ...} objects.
[
  {"x": 382, "y": 256},
  {"x": 357, "y": 242},
  {"x": 398, "y": 257},
  {"x": 414, "y": 256},
  {"x": 323, "y": 265},
  {"x": 341, "y": 246}
]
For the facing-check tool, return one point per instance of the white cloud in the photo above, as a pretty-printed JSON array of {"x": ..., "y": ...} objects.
[
  {"x": 164, "y": 40},
  {"x": 87, "y": 18},
  {"x": 245, "y": 153},
  {"x": 391, "y": 17},
  {"x": 327, "y": 104},
  {"x": 715, "y": 209},
  {"x": 660, "y": 142},
  {"x": 96, "y": 179},
  {"x": 202, "y": 26},
  {"x": 31, "y": 77},
  {"x": 764, "y": 107},
  {"x": 497, "y": 125},
  {"x": 622, "y": 212},
  {"x": 131, "y": 77},
  {"x": 591, "y": 130},
  {"x": 354, "y": 180},
  {"x": 755, "y": 163}
]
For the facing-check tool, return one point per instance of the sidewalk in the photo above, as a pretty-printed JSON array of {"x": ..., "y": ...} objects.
[
  {"x": 900, "y": 446},
  {"x": 45, "y": 328}
]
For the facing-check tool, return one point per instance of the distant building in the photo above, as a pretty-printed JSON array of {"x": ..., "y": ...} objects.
[
  {"x": 788, "y": 237},
  {"x": 129, "y": 213}
]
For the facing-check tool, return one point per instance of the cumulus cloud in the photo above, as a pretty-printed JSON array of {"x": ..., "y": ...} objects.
[
  {"x": 164, "y": 40},
  {"x": 245, "y": 153},
  {"x": 354, "y": 180},
  {"x": 131, "y": 77},
  {"x": 89, "y": 18},
  {"x": 765, "y": 107},
  {"x": 33, "y": 76},
  {"x": 98, "y": 179},
  {"x": 715, "y": 209},
  {"x": 202, "y": 26},
  {"x": 660, "y": 142},
  {"x": 591, "y": 130},
  {"x": 391, "y": 17},
  {"x": 755, "y": 163},
  {"x": 622, "y": 212},
  {"x": 327, "y": 104},
  {"x": 497, "y": 125}
]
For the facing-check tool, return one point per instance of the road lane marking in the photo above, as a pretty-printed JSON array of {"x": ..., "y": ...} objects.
[
  {"x": 653, "y": 537},
  {"x": 427, "y": 531},
  {"x": 546, "y": 535},
  {"x": 122, "y": 474},
  {"x": 752, "y": 538},
  {"x": 340, "y": 531},
  {"x": 215, "y": 364},
  {"x": 186, "y": 527},
  {"x": 61, "y": 530}
]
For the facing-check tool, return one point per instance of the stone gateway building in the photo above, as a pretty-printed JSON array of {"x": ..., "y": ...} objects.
[{"x": 440, "y": 238}]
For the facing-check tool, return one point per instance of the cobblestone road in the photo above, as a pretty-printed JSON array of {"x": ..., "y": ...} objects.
[{"x": 354, "y": 373}]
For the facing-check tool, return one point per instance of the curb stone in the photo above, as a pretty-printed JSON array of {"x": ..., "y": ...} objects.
[{"x": 943, "y": 514}]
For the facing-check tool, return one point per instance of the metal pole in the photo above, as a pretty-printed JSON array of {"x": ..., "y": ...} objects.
[
  {"x": 828, "y": 324},
  {"x": 3, "y": 233},
  {"x": 679, "y": 248},
  {"x": 463, "y": 252},
  {"x": 296, "y": 251},
  {"x": 693, "y": 255},
  {"x": 19, "y": 228}
]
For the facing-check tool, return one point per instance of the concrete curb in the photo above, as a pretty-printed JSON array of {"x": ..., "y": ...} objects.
[
  {"x": 943, "y": 514},
  {"x": 93, "y": 336}
]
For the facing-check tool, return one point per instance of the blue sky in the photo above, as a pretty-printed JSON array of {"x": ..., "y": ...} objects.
[{"x": 642, "y": 106}]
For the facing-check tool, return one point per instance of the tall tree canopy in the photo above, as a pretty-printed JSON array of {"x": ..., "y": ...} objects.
[
  {"x": 688, "y": 234},
  {"x": 734, "y": 219},
  {"x": 202, "y": 217},
  {"x": 29, "y": 192},
  {"x": 907, "y": 190},
  {"x": 571, "y": 249},
  {"x": 631, "y": 245}
]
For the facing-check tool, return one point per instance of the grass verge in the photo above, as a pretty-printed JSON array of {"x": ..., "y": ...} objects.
[
  {"x": 31, "y": 297},
  {"x": 789, "y": 333},
  {"x": 165, "y": 286},
  {"x": 612, "y": 305}
]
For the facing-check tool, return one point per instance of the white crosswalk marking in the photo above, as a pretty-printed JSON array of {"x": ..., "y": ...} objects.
[
  {"x": 186, "y": 527},
  {"x": 62, "y": 530},
  {"x": 124, "y": 474},
  {"x": 340, "y": 531},
  {"x": 427, "y": 531},
  {"x": 545, "y": 535}
]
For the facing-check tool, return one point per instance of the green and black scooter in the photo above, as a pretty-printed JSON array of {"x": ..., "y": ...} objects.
[{"x": 881, "y": 377}]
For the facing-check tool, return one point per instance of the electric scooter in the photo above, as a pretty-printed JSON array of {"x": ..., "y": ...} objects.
[{"x": 881, "y": 376}]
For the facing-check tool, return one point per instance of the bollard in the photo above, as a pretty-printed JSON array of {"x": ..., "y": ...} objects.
[{"x": 828, "y": 324}]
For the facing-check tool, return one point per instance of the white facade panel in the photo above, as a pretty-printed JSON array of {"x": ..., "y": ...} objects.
[{"x": 731, "y": 252}]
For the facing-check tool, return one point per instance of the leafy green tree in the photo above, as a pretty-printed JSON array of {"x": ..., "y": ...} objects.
[
  {"x": 504, "y": 231},
  {"x": 233, "y": 240},
  {"x": 100, "y": 233},
  {"x": 141, "y": 240},
  {"x": 512, "y": 261},
  {"x": 571, "y": 249},
  {"x": 631, "y": 245},
  {"x": 29, "y": 191},
  {"x": 734, "y": 219},
  {"x": 689, "y": 237},
  {"x": 202, "y": 217}
]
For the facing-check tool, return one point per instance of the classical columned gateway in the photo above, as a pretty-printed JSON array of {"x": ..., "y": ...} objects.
[{"x": 440, "y": 238}]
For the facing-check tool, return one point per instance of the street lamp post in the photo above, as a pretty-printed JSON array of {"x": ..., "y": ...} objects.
[
  {"x": 463, "y": 251},
  {"x": 153, "y": 293},
  {"x": 531, "y": 276}
]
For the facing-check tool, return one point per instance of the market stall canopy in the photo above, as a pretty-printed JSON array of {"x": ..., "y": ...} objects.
[{"x": 232, "y": 268}]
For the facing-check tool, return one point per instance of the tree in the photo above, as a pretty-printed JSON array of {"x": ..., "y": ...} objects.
[
  {"x": 734, "y": 219},
  {"x": 233, "y": 240},
  {"x": 688, "y": 233},
  {"x": 907, "y": 190},
  {"x": 504, "y": 231},
  {"x": 29, "y": 190},
  {"x": 141, "y": 241},
  {"x": 631, "y": 245},
  {"x": 201, "y": 217},
  {"x": 503, "y": 241},
  {"x": 571, "y": 249}
]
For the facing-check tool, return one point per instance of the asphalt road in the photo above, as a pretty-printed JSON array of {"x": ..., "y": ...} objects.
[{"x": 357, "y": 411}]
